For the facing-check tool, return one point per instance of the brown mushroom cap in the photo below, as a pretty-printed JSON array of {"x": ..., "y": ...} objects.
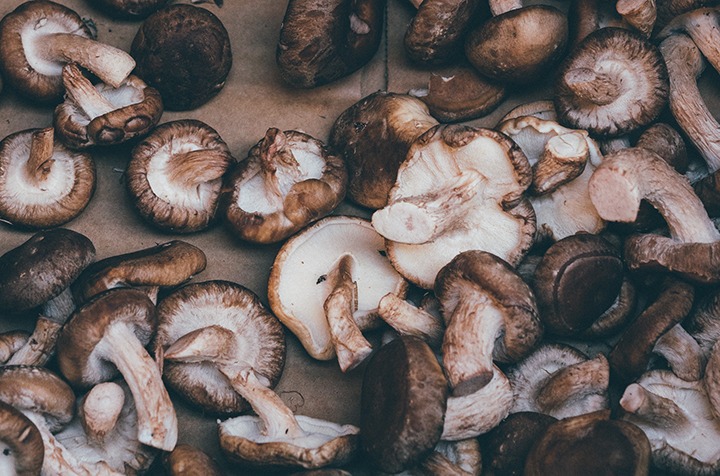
[
  {"x": 402, "y": 404},
  {"x": 174, "y": 177},
  {"x": 186, "y": 460},
  {"x": 183, "y": 51},
  {"x": 22, "y": 445}
]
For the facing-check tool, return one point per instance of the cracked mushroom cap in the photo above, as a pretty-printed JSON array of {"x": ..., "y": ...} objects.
[
  {"x": 20, "y": 443},
  {"x": 288, "y": 180},
  {"x": 42, "y": 267},
  {"x": 174, "y": 177},
  {"x": 460, "y": 188},
  {"x": 43, "y": 184},
  {"x": 105, "y": 115},
  {"x": 299, "y": 286},
  {"x": 261, "y": 342},
  {"x": 614, "y": 82}
]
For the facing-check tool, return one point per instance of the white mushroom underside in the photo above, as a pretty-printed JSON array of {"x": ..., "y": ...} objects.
[
  {"x": 197, "y": 197},
  {"x": 34, "y": 44},
  {"x": 121, "y": 97},
  {"x": 633, "y": 88},
  {"x": 318, "y": 432},
  {"x": 253, "y": 195}
]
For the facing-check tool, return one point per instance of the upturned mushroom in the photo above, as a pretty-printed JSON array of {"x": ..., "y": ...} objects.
[
  {"x": 288, "y": 180},
  {"x": 43, "y": 184},
  {"x": 174, "y": 177},
  {"x": 39, "y": 37},
  {"x": 20, "y": 442},
  {"x": 236, "y": 309},
  {"x": 456, "y": 181},
  {"x": 326, "y": 280},
  {"x": 106, "y": 336},
  {"x": 323, "y": 41},
  {"x": 634, "y": 174},
  {"x": 104, "y": 115},
  {"x": 275, "y": 438}
]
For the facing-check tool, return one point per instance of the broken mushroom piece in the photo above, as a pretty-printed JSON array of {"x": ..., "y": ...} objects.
[
  {"x": 614, "y": 82},
  {"x": 288, "y": 180},
  {"x": 232, "y": 307},
  {"x": 677, "y": 418},
  {"x": 102, "y": 114},
  {"x": 275, "y": 438},
  {"x": 322, "y": 41},
  {"x": 327, "y": 278},
  {"x": 373, "y": 136},
  {"x": 490, "y": 315},
  {"x": 107, "y": 335},
  {"x": 21, "y": 445},
  {"x": 174, "y": 177},
  {"x": 43, "y": 184},
  {"x": 634, "y": 174},
  {"x": 39, "y": 37},
  {"x": 460, "y": 188}
]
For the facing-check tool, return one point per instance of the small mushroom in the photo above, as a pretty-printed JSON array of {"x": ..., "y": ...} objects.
[
  {"x": 39, "y": 37},
  {"x": 43, "y": 184},
  {"x": 102, "y": 114},
  {"x": 614, "y": 82},
  {"x": 288, "y": 180},
  {"x": 183, "y": 51},
  {"x": 322, "y": 41},
  {"x": 174, "y": 177},
  {"x": 107, "y": 335},
  {"x": 186, "y": 460},
  {"x": 20, "y": 443}
]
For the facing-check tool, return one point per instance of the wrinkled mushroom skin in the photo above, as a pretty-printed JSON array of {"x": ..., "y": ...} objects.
[
  {"x": 183, "y": 51},
  {"x": 324, "y": 40},
  {"x": 20, "y": 442},
  {"x": 129, "y": 9}
]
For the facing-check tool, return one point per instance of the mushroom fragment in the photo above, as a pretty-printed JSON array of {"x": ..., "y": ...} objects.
[
  {"x": 20, "y": 443},
  {"x": 301, "y": 285},
  {"x": 43, "y": 184},
  {"x": 288, "y": 180},
  {"x": 174, "y": 177},
  {"x": 455, "y": 182},
  {"x": 39, "y": 37},
  {"x": 102, "y": 114},
  {"x": 107, "y": 335},
  {"x": 235, "y": 308},
  {"x": 633, "y": 174}
]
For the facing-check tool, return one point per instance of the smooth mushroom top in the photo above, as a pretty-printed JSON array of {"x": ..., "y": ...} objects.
[
  {"x": 21, "y": 443},
  {"x": 42, "y": 267},
  {"x": 260, "y": 342}
]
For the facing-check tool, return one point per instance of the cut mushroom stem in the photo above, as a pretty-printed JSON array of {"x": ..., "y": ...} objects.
[
  {"x": 653, "y": 409},
  {"x": 407, "y": 319},
  {"x": 351, "y": 346},
  {"x": 640, "y": 14},
  {"x": 196, "y": 167},
  {"x": 563, "y": 159},
  {"x": 575, "y": 381},
  {"x": 40, "y": 162},
  {"x": 112, "y": 65},
  {"x": 100, "y": 410},
  {"x": 83, "y": 93},
  {"x": 682, "y": 352},
  {"x": 11, "y": 342},
  {"x": 594, "y": 87}
]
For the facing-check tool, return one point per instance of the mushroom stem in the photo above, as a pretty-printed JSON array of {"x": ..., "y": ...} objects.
[
  {"x": 11, "y": 342},
  {"x": 100, "y": 410},
  {"x": 422, "y": 218},
  {"x": 702, "y": 25},
  {"x": 682, "y": 352},
  {"x": 112, "y": 65},
  {"x": 84, "y": 94},
  {"x": 40, "y": 162},
  {"x": 407, "y": 319},
  {"x": 589, "y": 377},
  {"x": 192, "y": 168},
  {"x": 599, "y": 88},
  {"x": 563, "y": 159},
  {"x": 351, "y": 346},
  {"x": 279, "y": 167},
  {"x": 475, "y": 324},
  {"x": 157, "y": 421},
  {"x": 640, "y": 14},
  {"x": 653, "y": 409}
]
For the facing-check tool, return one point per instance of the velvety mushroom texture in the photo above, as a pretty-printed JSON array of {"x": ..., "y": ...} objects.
[
  {"x": 174, "y": 177},
  {"x": 43, "y": 184},
  {"x": 183, "y": 51},
  {"x": 288, "y": 180}
]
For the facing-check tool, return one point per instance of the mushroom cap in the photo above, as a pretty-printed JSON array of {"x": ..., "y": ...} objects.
[
  {"x": 402, "y": 404},
  {"x": 61, "y": 197},
  {"x": 629, "y": 59},
  {"x": 130, "y": 9},
  {"x": 174, "y": 204},
  {"x": 326, "y": 444},
  {"x": 86, "y": 328},
  {"x": 324, "y": 40},
  {"x": 42, "y": 267},
  {"x": 306, "y": 193},
  {"x": 519, "y": 45},
  {"x": 138, "y": 108},
  {"x": 183, "y": 51},
  {"x": 577, "y": 280},
  {"x": 261, "y": 341},
  {"x": 22, "y": 445},
  {"x": 297, "y": 288},
  {"x": 38, "y": 79},
  {"x": 373, "y": 136},
  {"x": 186, "y": 460}
]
